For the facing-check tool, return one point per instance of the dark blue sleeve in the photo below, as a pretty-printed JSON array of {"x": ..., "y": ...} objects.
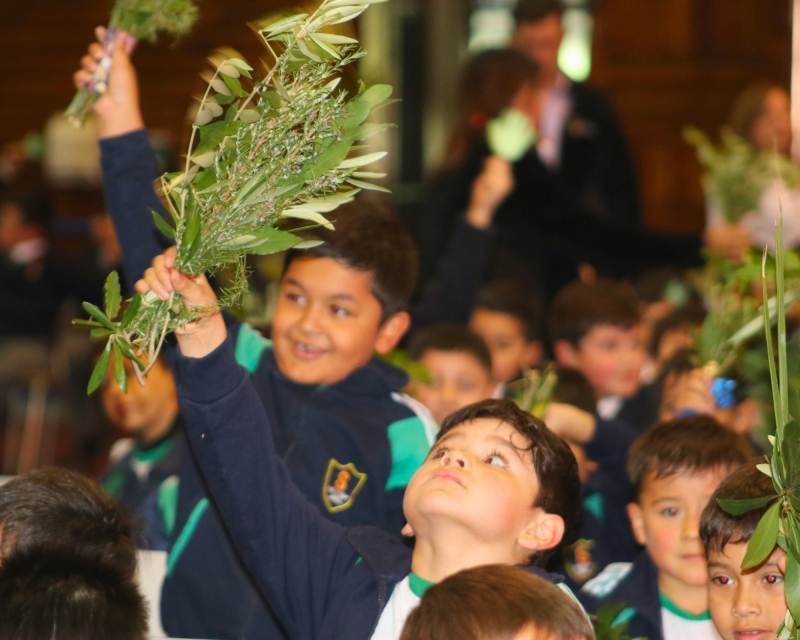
[
  {"x": 450, "y": 296},
  {"x": 129, "y": 169},
  {"x": 301, "y": 561},
  {"x": 609, "y": 448}
]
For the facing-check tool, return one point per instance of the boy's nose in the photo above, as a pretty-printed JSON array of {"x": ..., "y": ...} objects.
[
  {"x": 456, "y": 458},
  {"x": 745, "y": 602},
  {"x": 309, "y": 322}
]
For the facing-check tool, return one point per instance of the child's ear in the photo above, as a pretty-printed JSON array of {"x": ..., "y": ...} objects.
[
  {"x": 532, "y": 354},
  {"x": 408, "y": 531},
  {"x": 566, "y": 355},
  {"x": 744, "y": 417},
  {"x": 391, "y": 331},
  {"x": 637, "y": 523},
  {"x": 545, "y": 531}
]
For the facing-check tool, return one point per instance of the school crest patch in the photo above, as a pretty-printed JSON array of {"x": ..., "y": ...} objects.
[
  {"x": 578, "y": 561},
  {"x": 342, "y": 484}
]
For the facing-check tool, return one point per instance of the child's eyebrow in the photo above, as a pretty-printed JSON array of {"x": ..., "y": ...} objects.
[
  {"x": 294, "y": 283},
  {"x": 503, "y": 442}
]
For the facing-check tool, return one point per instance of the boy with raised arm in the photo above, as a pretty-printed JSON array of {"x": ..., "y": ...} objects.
[
  {"x": 347, "y": 435},
  {"x": 498, "y": 488}
]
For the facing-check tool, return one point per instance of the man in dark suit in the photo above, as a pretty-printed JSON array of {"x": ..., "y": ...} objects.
[{"x": 581, "y": 140}]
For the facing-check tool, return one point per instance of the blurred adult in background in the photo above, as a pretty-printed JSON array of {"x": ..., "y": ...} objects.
[
  {"x": 760, "y": 115},
  {"x": 580, "y": 138}
]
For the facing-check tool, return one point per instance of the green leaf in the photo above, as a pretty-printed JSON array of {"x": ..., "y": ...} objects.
[
  {"x": 133, "y": 308},
  {"x": 86, "y": 323},
  {"x": 358, "y": 111},
  {"x": 214, "y": 133},
  {"x": 792, "y": 586},
  {"x": 790, "y": 452},
  {"x": 376, "y": 95},
  {"x": 274, "y": 241},
  {"x": 113, "y": 297},
  {"x": 162, "y": 225},
  {"x": 191, "y": 235},
  {"x": 234, "y": 86},
  {"x": 98, "y": 315},
  {"x": 119, "y": 369},
  {"x": 738, "y": 507},
  {"x": 99, "y": 370},
  {"x": 128, "y": 352},
  {"x": 102, "y": 332},
  {"x": 764, "y": 539}
]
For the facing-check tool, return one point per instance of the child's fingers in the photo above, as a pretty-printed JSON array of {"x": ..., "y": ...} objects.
[
  {"x": 88, "y": 64},
  {"x": 100, "y": 33},
  {"x": 81, "y": 78},
  {"x": 141, "y": 286},
  {"x": 97, "y": 51}
]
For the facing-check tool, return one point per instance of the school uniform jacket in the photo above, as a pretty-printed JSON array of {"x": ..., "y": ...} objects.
[
  {"x": 322, "y": 580},
  {"x": 350, "y": 448}
]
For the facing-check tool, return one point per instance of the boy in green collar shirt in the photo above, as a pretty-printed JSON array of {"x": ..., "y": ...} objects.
[
  {"x": 675, "y": 467},
  {"x": 498, "y": 488}
]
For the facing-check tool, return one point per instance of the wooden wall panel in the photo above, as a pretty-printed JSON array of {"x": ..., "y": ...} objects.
[{"x": 669, "y": 63}]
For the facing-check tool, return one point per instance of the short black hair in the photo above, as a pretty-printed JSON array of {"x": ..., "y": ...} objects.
[
  {"x": 63, "y": 511},
  {"x": 450, "y": 338},
  {"x": 504, "y": 296},
  {"x": 717, "y": 526},
  {"x": 554, "y": 462},
  {"x": 535, "y": 10},
  {"x": 573, "y": 388},
  {"x": 677, "y": 320},
  {"x": 581, "y": 306},
  {"x": 685, "y": 445},
  {"x": 47, "y": 594},
  {"x": 371, "y": 239},
  {"x": 496, "y": 601},
  {"x": 35, "y": 206}
]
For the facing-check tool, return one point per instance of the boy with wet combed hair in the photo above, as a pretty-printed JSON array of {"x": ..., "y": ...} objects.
[
  {"x": 743, "y": 603},
  {"x": 674, "y": 468},
  {"x": 498, "y": 488},
  {"x": 61, "y": 511},
  {"x": 459, "y": 365},
  {"x": 508, "y": 319},
  {"x": 47, "y": 594},
  {"x": 595, "y": 328},
  {"x": 496, "y": 601},
  {"x": 348, "y": 436}
]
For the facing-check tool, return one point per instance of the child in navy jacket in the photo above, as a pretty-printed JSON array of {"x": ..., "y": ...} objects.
[
  {"x": 499, "y": 487},
  {"x": 348, "y": 436}
]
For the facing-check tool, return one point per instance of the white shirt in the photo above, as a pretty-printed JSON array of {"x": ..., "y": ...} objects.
[
  {"x": 678, "y": 627},
  {"x": 393, "y": 618},
  {"x": 556, "y": 107}
]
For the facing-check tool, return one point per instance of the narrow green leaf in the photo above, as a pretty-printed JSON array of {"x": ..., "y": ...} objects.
[
  {"x": 102, "y": 332},
  {"x": 191, "y": 235},
  {"x": 235, "y": 86},
  {"x": 790, "y": 452},
  {"x": 162, "y": 225},
  {"x": 214, "y": 133},
  {"x": 128, "y": 352},
  {"x": 738, "y": 507},
  {"x": 113, "y": 296},
  {"x": 98, "y": 315},
  {"x": 783, "y": 370},
  {"x": 773, "y": 373},
  {"x": 99, "y": 370},
  {"x": 275, "y": 241},
  {"x": 119, "y": 369},
  {"x": 764, "y": 539},
  {"x": 133, "y": 308},
  {"x": 376, "y": 95},
  {"x": 86, "y": 323},
  {"x": 792, "y": 585}
]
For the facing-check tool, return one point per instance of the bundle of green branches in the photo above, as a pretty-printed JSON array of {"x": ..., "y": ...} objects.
[
  {"x": 737, "y": 173},
  {"x": 142, "y": 20},
  {"x": 780, "y": 525},
  {"x": 534, "y": 390},
  {"x": 261, "y": 151}
]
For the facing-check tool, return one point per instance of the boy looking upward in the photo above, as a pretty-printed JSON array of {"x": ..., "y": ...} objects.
[
  {"x": 674, "y": 468},
  {"x": 594, "y": 328},
  {"x": 345, "y": 432},
  {"x": 459, "y": 364},
  {"x": 498, "y": 488},
  {"x": 744, "y": 603}
]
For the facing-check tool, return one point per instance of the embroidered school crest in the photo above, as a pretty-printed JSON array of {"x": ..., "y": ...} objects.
[
  {"x": 342, "y": 484},
  {"x": 578, "y": 561}
]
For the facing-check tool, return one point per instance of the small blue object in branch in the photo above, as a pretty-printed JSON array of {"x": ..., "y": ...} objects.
[{"x": 723, "y": 390}]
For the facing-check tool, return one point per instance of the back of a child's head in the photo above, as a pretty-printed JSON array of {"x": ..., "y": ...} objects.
[
  {"x": 496, "y": 602},
  {"x": 581, "y": 306},
  {"x": 536, "y": 10},
  {"x": 450, "y": 338},
  {"x": 371, "y": 239},
  {"x": 573, "y": 388},
  {"x": 690, "y": 445},
  {"x": 717, "y": 526},
  {"x": 52, "y": 595},
  {"x": 62, "y": 511},
  {"x": 512, "y": 299},
  {"x": 556, "y": 469}
]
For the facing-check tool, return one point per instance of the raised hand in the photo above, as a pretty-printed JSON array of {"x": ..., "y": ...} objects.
[{"x": 489, "y": 191}]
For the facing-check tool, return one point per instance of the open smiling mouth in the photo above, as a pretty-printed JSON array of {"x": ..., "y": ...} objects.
[{"x": 307, "y": 351}]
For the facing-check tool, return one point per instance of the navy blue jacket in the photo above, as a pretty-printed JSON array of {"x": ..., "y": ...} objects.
[
  {"x": 636, "y": 586},
  {"x": 350, "y": 448},
  {"x": 322, "y": 580}
]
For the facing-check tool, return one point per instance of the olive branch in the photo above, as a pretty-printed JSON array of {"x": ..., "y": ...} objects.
[{"x": 261, "y": 151}]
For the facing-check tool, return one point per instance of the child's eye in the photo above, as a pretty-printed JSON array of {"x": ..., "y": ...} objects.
[
  {"x": 497, "y": 460},
  {"x": 773, "y": 579},
  {"x": 438, "y": 453},
  {"x": 339, "y": 311},
  {"x": 670, "y": 512},
  {"x": 722, "y": 580},
  {"x": 295, "y": 297}
]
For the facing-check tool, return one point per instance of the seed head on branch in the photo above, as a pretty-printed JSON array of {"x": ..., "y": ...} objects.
[{"x": 261, "y": 151}]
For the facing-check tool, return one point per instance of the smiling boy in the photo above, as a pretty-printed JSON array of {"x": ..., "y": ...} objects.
[
  {"x": 349, "y": 437},
  {"x": 674, "y": 467},
  {"x": 498, "y": 488},
  {"x": 744, "y": 603}
]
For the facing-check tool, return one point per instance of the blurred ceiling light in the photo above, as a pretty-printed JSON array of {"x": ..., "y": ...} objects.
[{"x": 575, "y": 54}]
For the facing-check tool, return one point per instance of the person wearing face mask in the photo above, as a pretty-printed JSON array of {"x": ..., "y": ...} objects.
[{"x": 761, "y": 116}]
